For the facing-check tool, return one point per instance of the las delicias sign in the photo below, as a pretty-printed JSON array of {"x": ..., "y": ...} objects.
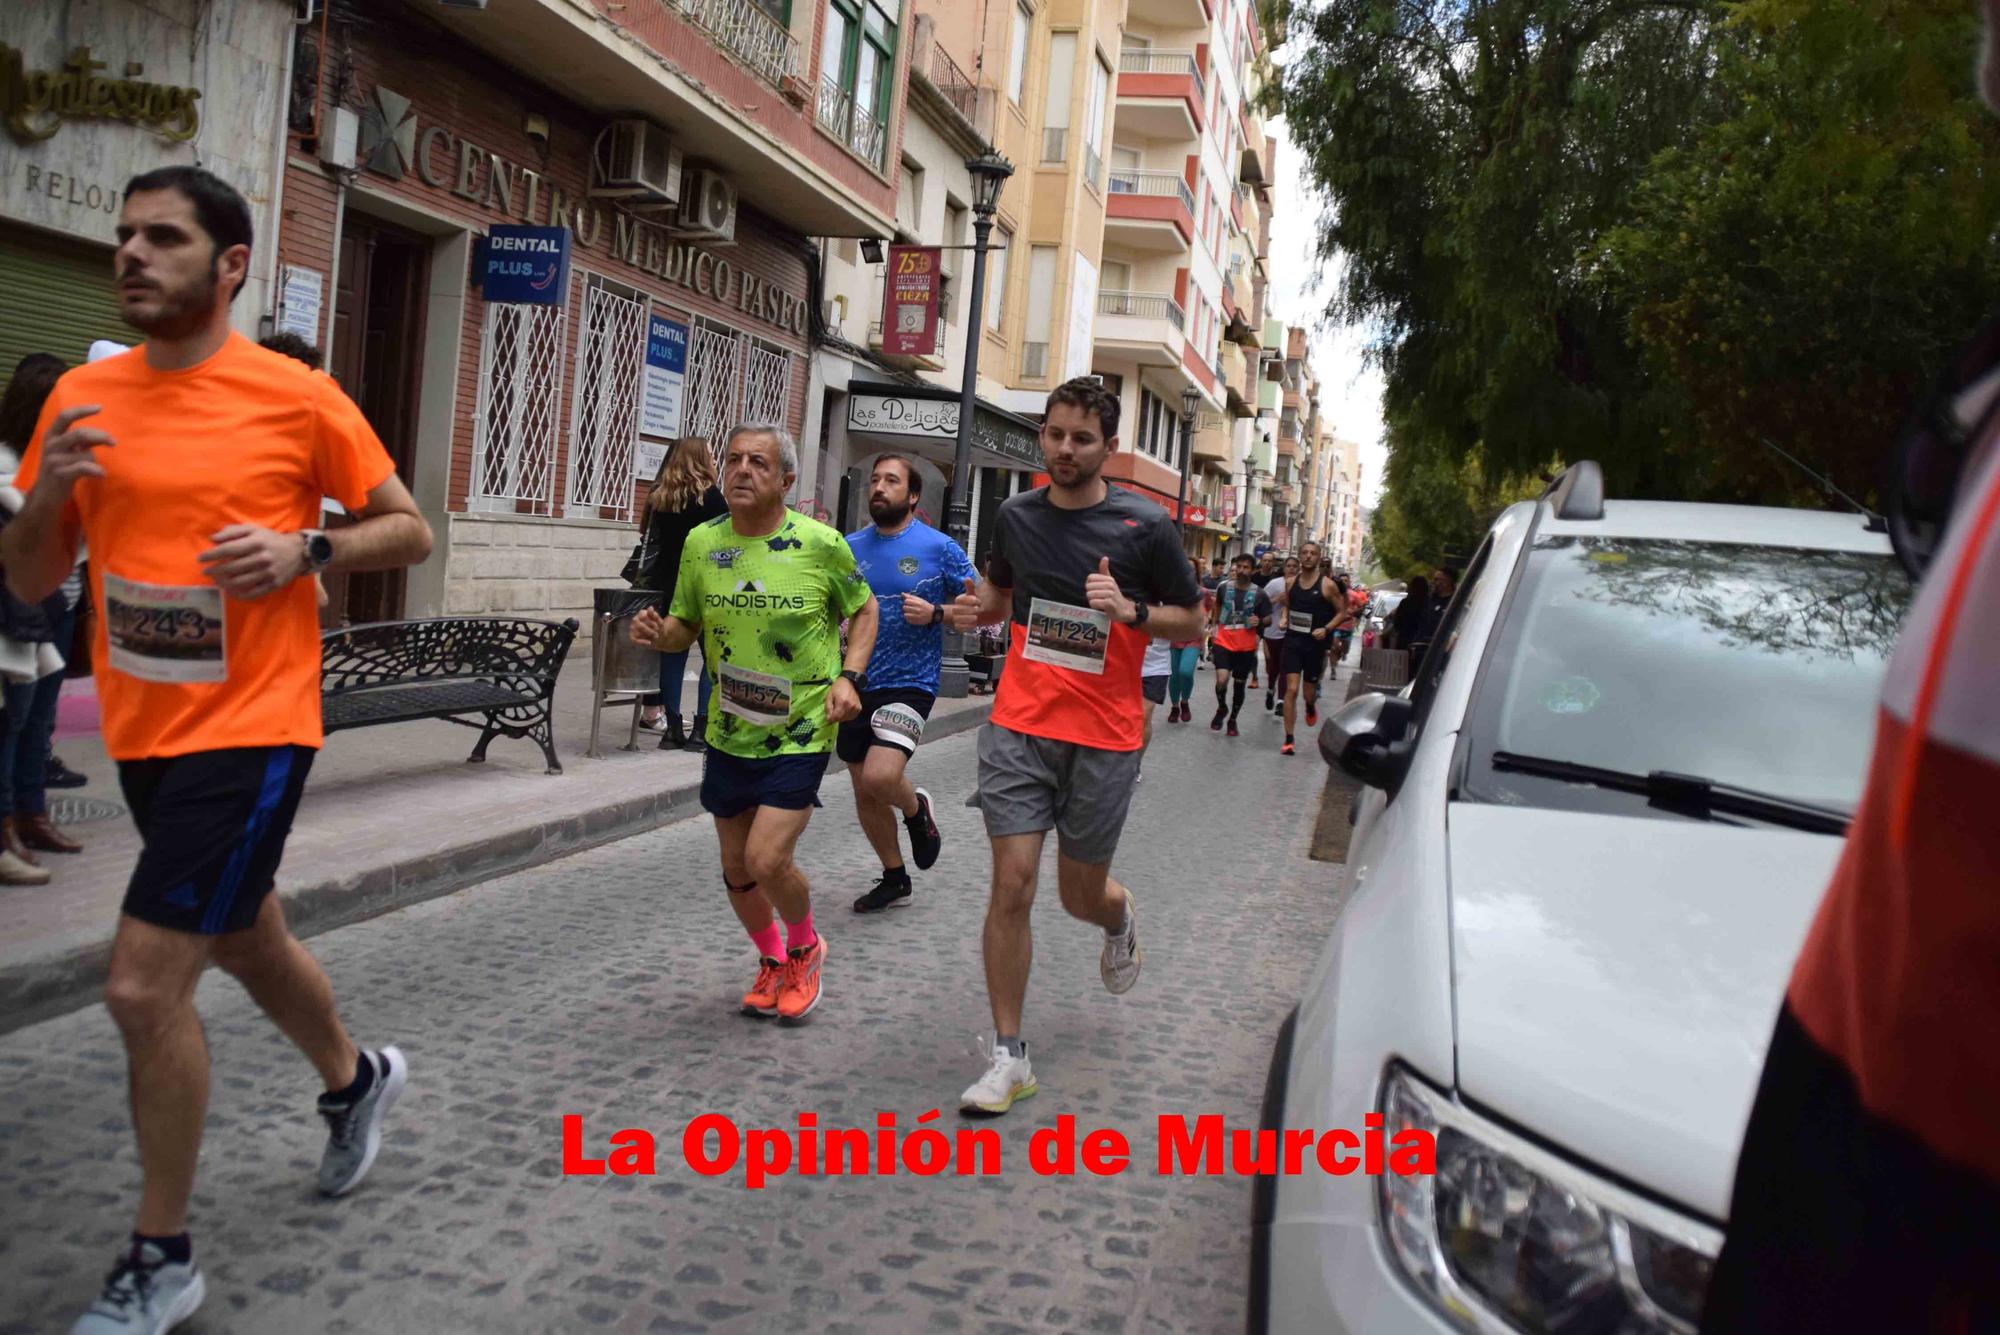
[{"x": 393, "y": 144}]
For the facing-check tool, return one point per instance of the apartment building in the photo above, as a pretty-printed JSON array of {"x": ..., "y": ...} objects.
[
  {"x": 1185, "y": 234},
  {"x": 677, "y": 157}
]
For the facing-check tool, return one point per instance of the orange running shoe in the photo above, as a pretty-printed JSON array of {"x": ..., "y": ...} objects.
[
  {"x": 762, "y": 998},
  {"x": 799, "y": 992}
]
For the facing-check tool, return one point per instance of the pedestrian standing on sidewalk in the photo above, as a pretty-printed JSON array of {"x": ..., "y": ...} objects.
[
  {"x": 683, "y": 497},
  {"x": 194, "y": 466},
  {"x": 34, "y": 641},
  {"x": 1088, "y": 574},
  {"x": 922, "y": 582},
  {"x": 765, "y": 588}
]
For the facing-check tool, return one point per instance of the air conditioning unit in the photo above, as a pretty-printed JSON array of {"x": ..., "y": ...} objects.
[
  {"x": 708, "y": 205},
  {"x": 635, "y": 160}
]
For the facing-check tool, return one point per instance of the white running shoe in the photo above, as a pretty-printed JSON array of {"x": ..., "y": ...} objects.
[
  {"x": 1119, "y": 964},
  {"x": 1007, "y": 1081},
  {"x": 145, "y": 1295}
]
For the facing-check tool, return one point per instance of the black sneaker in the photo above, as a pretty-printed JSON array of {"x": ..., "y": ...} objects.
[
  {"x": 60, "y": 775},
  {"x": 1215, "y": 724},
  {"x": 925, "y": 841},
  {"x": 888, "y": 892}
]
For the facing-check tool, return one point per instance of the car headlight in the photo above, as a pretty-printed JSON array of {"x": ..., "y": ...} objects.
[{"x": 1506, "y": 1236}]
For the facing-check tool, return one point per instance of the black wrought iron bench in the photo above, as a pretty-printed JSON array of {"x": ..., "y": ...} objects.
[{"x": 497, "y": 674}]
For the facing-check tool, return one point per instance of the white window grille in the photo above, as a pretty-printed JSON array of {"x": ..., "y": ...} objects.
[
  {"x": 610, "y": 352},
  {"x": 709, "y": 410},
  {"x": 520, "y": 394},
  {"x": 767, "y": 384}
]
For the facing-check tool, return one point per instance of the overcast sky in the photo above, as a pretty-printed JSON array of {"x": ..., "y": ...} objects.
[{"x": 1350, "y": 393}]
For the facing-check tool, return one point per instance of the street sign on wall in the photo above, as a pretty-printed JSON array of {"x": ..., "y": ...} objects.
[
  {"x": 525, "y": 265},
  {"x": 664, "y": 392},
  {"x": 910, "y": 300}
]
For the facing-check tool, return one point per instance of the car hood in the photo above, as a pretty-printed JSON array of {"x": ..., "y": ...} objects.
[{"x": 1615, "y": 980}]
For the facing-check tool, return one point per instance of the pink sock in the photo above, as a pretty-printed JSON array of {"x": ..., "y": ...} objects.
[
  {"x": 769, "y": 944},
  {"x": 800, "y": 934}
]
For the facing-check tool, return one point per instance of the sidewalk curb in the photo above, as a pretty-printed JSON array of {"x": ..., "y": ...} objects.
[{"x": 41, "y": 989}]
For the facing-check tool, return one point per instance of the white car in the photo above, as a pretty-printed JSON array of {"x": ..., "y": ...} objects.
[{"x": 1593, "y": 834}]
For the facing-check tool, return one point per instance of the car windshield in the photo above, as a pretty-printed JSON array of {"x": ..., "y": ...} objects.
[{"x": 1746, "y": 665}]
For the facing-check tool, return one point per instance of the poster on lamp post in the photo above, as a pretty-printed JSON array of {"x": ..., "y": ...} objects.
[{"x": 910, "y": 301}]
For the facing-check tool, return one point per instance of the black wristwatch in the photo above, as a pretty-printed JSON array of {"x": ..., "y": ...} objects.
[
  {"x": 1140, "y": 613},
  {"x": 319, "y": 550},
  {"x": 860, "y": 679}
]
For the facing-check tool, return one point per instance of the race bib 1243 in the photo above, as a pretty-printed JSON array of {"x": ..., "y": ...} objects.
[{"x": 165, "y": 632}]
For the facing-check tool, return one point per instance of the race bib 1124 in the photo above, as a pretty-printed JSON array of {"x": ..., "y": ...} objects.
[{"x": 1067, "y": 636}]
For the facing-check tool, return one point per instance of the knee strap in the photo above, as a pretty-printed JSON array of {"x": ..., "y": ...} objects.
[{"x": 739, "y": 889}]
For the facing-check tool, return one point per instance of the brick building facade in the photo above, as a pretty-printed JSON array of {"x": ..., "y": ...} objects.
[{"x": 523, "y": 430}]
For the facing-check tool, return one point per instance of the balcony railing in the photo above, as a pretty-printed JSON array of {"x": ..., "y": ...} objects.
[
  {"x": 1034, "y": 361},
  {"x": 852, "y": 125},
  {"x": 953, "y": 82},
  {"x": 1093, "y": 168},
  {"x": 1136, "y": 182},
  {"x": 738, "y": 27},
  {"x": 1144, "y": 305},
  {"x": 1150, "y": 61},
  {"x": 1055, "y": 144}
]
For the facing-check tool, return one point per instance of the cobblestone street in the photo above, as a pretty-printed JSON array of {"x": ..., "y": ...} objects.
[{"x": 605, "y": 985}]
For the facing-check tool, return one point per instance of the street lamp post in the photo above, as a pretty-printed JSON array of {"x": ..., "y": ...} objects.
[
  {"x": 989, "y": 172},
  {"x": 1190, "y": 400}
]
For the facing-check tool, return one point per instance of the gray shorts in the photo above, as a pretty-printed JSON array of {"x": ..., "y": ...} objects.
[{"x": 1030, "y": 784}]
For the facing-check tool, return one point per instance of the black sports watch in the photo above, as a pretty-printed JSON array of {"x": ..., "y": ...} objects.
[
  {"x": 860, "y": 679},
  {"x": 1140, "y": 612},
  {"x": 319, "y": 549}
]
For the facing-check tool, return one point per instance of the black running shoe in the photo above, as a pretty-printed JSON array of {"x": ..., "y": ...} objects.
[
  {"x": 62, "y": 776},
  {"x": 1215, "y": 724},
  {"x": 925, "y": 841},
  {"x": 888, "y": 892}
]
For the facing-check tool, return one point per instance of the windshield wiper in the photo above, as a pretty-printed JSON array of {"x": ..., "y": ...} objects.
[{"x": 1688, "y": 793}]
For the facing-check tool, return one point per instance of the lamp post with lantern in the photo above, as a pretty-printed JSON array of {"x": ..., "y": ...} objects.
[
  {"x": 1190, "y": 401},
  {"x": 989, "y": 172}
]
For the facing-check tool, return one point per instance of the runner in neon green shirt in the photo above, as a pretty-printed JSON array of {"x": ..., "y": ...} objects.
[
  {"x": 766, "y": 590},
  {"x": 769, "y": 609}
]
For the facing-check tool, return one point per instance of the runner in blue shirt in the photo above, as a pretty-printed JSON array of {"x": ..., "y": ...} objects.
[{"x": 922, "y": 582}]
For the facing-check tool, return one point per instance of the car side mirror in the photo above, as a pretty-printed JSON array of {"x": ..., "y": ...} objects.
[{"x": 1368, "y": 739}]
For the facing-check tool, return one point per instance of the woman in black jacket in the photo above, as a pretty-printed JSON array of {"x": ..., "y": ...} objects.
[{"x": 683, "y": 495}]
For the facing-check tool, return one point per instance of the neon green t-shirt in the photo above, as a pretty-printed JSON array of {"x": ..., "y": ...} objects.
[{"x": 770, "y": 610}]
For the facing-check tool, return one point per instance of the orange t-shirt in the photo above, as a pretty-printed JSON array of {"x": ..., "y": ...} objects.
[{"x": 246, "y": 437}]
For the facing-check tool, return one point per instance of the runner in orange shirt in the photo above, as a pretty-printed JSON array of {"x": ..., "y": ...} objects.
[
  {"x": 1088, "y": 573},
  {"x": 193, "y": 467}
]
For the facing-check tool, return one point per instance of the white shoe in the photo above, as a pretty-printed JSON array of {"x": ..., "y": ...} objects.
[
  {"x": 15, "y": 870},
  {"x": 1008, "y": 1080},
  {"x": 1119, "y": 964},
  {"x": 145, "y": 1295}
]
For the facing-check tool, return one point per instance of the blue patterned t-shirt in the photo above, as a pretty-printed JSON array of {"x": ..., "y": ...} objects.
[{"x": 921, "y": 561}]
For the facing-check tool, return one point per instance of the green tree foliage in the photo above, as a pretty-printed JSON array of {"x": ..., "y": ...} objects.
[
  {"x": 1656, "y": 233},
  {"x": 1803, "y": 269}
]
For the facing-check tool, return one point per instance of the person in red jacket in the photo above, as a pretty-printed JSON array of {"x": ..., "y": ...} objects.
[{"x": 1867, "y": 1190}]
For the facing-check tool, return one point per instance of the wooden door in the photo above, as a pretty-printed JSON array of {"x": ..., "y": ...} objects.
[{"x": 377, "y": 337}]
